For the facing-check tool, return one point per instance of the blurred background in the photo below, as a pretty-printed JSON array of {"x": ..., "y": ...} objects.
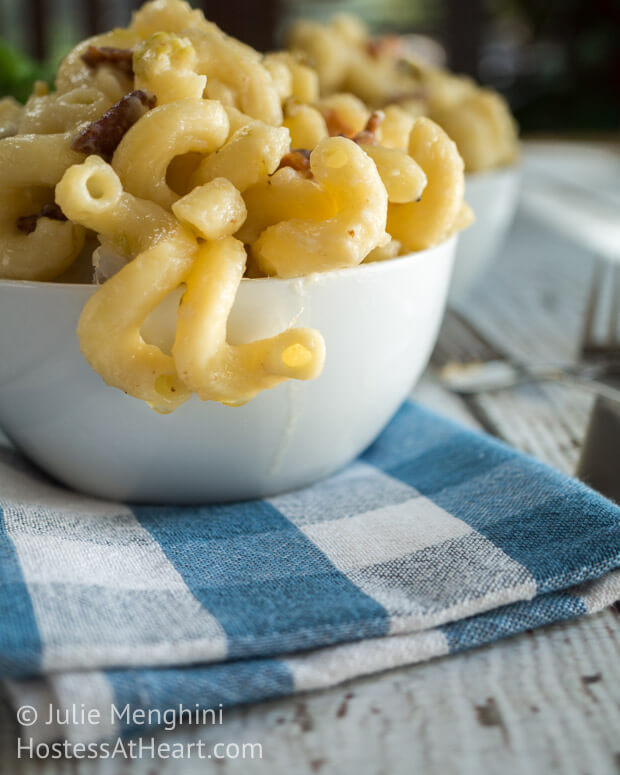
[{"x": 557, "y": 61}]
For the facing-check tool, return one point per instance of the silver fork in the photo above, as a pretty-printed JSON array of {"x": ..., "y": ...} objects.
[
  {"x": 598, "y": 463},
  {"x": 599, "y": 351},
  {"x": 600, "y": 337}
]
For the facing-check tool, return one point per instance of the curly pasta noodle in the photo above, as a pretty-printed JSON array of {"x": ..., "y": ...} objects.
[
  {"x": 300, "y": 246},
  {"x": 31, "y": 166}
]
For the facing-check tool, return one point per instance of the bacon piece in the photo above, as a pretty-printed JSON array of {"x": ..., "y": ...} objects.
[
  {"x": 28, "y": 223},
  {"x": 103, "y": 135},
  {"x": 336, "y": 126},
  {"x": 121, "y": 58},
  {"x": 368, "y": 134},
  {"x": 374, "y": 122},
  {"x": 386, "y": 45},
  {"x": 365, "y": 138},
  {"x": 298, "y": 159}
]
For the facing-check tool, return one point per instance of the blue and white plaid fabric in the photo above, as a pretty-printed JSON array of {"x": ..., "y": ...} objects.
[{"x": 436, "y": 540}]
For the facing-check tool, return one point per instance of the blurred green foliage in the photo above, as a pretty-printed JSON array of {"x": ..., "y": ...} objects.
[{"x": 18, "y": 72}]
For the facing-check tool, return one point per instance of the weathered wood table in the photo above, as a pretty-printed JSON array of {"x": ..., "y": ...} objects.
[{"x": 546, "y": 701}]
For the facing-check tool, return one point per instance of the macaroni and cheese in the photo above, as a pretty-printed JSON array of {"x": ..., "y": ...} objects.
[{"x": 176, "y": 161}]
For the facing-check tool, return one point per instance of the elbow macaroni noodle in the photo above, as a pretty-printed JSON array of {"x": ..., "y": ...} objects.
[
  {"x": 301, "y": 245},
  {"x": 233, "y": 374},
  {"x": 418, "y": 224},
  {"x": 31, "y": 164},
  {"x": 167, "y": 131},
  {"x": 234, "y": 169},
  {"x": 92, "y": 193},
  {"x": 253, "y": 152}
]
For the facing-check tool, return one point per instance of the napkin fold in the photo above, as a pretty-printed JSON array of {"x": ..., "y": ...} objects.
[{"x": 437, "y": 539}]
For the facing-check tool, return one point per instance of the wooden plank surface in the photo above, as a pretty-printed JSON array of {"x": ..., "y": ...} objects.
[{"x": 544, "y": 702}]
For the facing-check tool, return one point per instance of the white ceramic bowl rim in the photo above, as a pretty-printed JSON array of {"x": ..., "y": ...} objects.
[
  {"x": 390, "y": 263},
  {"x": 513, "y": 167}
]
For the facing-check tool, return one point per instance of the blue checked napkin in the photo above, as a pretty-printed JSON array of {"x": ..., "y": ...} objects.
[{"x": 436, "y": 540}]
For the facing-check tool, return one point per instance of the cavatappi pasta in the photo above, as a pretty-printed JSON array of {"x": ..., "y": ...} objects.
[{"x": 174, "y": 160}]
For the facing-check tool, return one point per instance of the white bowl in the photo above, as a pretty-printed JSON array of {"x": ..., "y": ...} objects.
[
  {"x": 493, "y": 197},
  {"x": 380, "y": 322}
]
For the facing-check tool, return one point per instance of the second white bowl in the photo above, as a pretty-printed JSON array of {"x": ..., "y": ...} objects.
[{"x": 493, "y": 197}]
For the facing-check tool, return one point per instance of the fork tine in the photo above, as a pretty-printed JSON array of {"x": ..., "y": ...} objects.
[
  {"x": 588, "y": 341},
  {"x": 614, "y": 313}
]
